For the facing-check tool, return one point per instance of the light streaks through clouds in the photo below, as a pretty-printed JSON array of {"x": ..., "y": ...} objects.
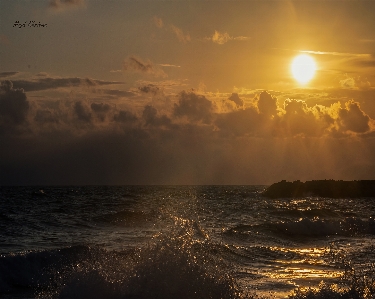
[{"x": 171, "y": 145}]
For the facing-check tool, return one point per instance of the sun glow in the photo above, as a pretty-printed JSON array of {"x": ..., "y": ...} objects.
[{"x": 303, "y": 68}]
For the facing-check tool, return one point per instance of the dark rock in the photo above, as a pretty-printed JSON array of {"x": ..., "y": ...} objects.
[{"x": 323, "y": 188}]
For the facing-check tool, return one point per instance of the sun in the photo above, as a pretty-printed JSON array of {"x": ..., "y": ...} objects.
[{"x": 303, "y": 68}]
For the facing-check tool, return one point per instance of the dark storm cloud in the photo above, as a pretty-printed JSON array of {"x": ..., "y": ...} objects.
[
  {"x": 136, "y": 64},
  {"x": 101, "y": 110},
  {"x": 236, "y": 99},
  {"x": 150, "y": 88},
  {"x": 82, "y": 111},
  {"x": 152, "y": 119},
  {"x": 46, "y": 116},
  {"x": 118, "y": 93},
  {"x": 193, "y": 106},
  {"x": 125, "y": 117},
  {"x": 352, "y": 118},
  {"x": 241, "y": 122},
  {"x": 7, "y": 74},
  {"x": 53, "y": 83},
  {"x": 189, "y": 142},
  {"x": 14, "y": 105},
  {"x": 100, "y": 107}
]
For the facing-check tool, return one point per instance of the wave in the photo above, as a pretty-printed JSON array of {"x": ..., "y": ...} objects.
[
  {"x": 175, "y": 265},
  {"x": 29, "y": 269},
  {"x": 350, "y": 226}
]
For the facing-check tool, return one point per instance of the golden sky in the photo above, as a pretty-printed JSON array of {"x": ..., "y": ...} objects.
[{"x": 185, "y": 92}]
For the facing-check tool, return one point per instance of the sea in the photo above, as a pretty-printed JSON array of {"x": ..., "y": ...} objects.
[{"x": 138, "y": 242}]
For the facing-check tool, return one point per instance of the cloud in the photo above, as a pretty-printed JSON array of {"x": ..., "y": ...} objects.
[
  {"x": 150, "y": 88},
  {"x": 241, "y": 38},
  {"x": 262, "y": 116},
  {"x": 247, "y": 122},
  {"x": 82, "y": 112},
  {"x": 336, "y": 53},
  {"x": 236, "y": 99},
  {"x": 152, "y": 119},
  {"x": 117, "y": 93},
  {"x": 136, "y": 64},
  {"x": 165, "y": 84},
  {"x": 101, "y": 110},
  {"x": 267, "y": 104},
  {"x": 194, "y": 107},
  {"x": 168, "y": 65},
  {"x": 352, "y": 83},
  {"x": 352, "y": 118},
  {"x": 182, "y": 37},
  {"x": 42, "y": 74},
  {"x": 300, "y": 120},
  {"x": 46, "y": 116},
  {"x": 53, "y": 83},
  {"x": 125, "y": 117},
  {"x": 347, "y": 83},
  {"x": 7, "y": 74},
  {"x": 294, "y": 118},
  {"x": 222, "y": 38},
  {"x": 191, "y": 142},
  {"x": 14, "y": 106}
]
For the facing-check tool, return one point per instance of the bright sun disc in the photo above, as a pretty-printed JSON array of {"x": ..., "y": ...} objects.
[{"x": 303, "y": 68}]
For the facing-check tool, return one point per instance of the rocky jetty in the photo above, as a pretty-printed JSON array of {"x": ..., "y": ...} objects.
[{"x": 323, "y": 188}]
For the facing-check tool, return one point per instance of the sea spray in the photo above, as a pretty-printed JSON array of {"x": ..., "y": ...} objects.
[
  {"x": 103, "y": 241},
  {"x": 181, "y": 264}
]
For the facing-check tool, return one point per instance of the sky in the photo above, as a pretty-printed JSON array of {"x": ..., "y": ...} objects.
[{"x": 185, "y": 91}]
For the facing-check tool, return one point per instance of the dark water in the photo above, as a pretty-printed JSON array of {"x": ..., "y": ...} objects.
[{"x": 175, "y": 241}]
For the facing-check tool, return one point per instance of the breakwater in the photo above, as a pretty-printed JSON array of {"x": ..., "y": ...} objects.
[{"x": 323, "y": 188}]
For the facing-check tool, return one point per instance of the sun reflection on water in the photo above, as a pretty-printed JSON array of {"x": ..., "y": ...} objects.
[{"x": 311, "y": 266}]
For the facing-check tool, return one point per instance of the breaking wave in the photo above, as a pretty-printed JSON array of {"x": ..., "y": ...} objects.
[{"x": 184, "y": 264}]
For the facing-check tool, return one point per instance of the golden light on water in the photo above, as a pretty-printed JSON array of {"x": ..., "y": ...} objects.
[
  {"x": 311, "y": 266},
  {"x": 303, "y": 68}
]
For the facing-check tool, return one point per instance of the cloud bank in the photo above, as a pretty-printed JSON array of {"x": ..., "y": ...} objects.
[
  {"x": 191, "y": 140},
  {"x": 53, "y": 83}
]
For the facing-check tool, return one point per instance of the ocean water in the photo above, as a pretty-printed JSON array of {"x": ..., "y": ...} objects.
[{"x": 177, "y": 242}]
